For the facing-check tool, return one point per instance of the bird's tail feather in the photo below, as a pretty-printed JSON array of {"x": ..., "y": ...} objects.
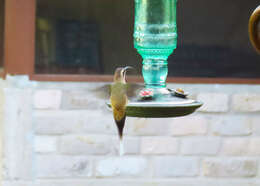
[{"x": 120, "y": 126}]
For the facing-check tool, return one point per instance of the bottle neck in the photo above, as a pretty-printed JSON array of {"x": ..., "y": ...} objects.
[{"x": 155, "y": 73}]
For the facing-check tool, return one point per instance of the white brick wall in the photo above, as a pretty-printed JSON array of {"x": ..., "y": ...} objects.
[
  {"x": 200, "y": 146},
  {"x": 229, "y": 125},
  {"x": 235, "y": 146},
  {"x": 229, "y": 167},
  {"x": 122, "y": 167},
  {"x": 45, "y": 144},
  {"x": 147, "y": 126},
  {"x": 134, "y": 182},
  {"x": 246, "y": 102},
  {"x": 159, "y": 145},
  {"x": 58, "y": 166},
  {"x": 169, "y": 166},
  {"x": 131, "y": 145},
  {"x": 187, "y": 126},
  {"x": 47, "y": 99},
  {"x": 85, "y": 145},
  {"x": 214, "y": 102},
  {"x": 60, "y": 134}
]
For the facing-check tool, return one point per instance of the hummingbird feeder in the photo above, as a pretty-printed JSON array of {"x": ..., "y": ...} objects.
[{"x": 155, "y": 38}]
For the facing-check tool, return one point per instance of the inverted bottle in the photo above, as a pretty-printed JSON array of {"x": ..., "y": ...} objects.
[{"x": 155, "y": 38}]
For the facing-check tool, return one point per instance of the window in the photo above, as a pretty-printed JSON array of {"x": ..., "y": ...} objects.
[
  {"x": 85, "y": 40},
  {"x": 213, "y": 40},
  {"x": 84, "y": 36}
]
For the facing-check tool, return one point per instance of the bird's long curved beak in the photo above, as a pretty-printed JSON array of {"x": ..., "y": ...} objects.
[
  {"x": 124, "y": 72},
  {"x": 128, "y": 67}
]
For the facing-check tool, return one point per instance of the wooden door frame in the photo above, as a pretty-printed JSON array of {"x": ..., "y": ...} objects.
[{"x": 19, "y": 37}]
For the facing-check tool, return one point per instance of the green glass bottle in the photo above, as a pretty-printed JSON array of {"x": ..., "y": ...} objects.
[{"x": 155, "y": 38}]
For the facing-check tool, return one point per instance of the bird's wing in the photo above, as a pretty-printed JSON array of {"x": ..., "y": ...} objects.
[
  {"x": 133, "y": 89},
  {"x": 104, "y": 91}
]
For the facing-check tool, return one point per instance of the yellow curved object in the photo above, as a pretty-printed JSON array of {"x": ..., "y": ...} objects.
[{"x": 254, "y": 29}]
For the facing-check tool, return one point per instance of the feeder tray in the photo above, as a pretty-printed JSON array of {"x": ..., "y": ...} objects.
[{"x": 163, "y": 106}]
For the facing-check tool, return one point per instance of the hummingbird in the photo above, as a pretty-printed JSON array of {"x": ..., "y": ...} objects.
[
  {"x": 119, "y": 93},
  {"x": 119, "y": 99}
]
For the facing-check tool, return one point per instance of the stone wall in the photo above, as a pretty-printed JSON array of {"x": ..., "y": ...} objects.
[{"x": 61, "y": 134}]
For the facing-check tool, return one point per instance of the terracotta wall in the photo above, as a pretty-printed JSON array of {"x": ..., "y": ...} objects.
[{"x": 1, "y": 30}]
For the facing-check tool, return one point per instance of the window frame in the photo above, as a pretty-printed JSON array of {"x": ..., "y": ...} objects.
[{"x": 19, "y": 51}]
